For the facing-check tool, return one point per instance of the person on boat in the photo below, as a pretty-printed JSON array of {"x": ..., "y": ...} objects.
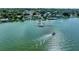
[{"x": 53, "y": 33}]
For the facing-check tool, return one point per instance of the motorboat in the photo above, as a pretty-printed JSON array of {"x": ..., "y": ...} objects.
[{"x": 53, "y": 33}]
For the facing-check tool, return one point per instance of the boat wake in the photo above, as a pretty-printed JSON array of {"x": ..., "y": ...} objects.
[{"x": 52, "y": 42}]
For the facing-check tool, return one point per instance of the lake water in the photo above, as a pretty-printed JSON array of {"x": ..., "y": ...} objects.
[{"x": 29, "y": 36}]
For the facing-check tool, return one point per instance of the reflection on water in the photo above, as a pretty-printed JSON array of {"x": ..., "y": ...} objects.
[{"x": 28, "y": 36}]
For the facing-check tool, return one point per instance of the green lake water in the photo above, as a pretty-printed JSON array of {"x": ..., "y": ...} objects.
[{"x": 27, "y": 36}]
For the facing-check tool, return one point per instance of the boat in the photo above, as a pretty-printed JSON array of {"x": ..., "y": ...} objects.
[
  {"x": 40, "y": 24},
  {"x": 53, "y": 33}
]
